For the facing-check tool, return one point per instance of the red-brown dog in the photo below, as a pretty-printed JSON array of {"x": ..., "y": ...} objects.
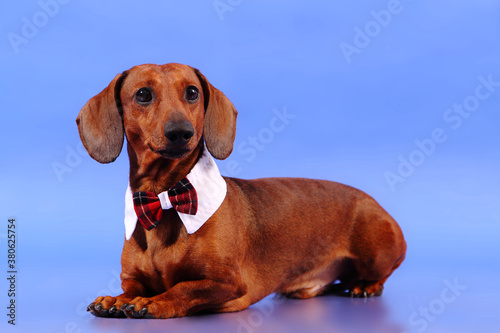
[{"x": 276, "y": 235}]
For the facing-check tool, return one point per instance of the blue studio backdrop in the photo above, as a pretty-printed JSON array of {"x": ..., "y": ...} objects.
[{"x": 398, "y": 98}]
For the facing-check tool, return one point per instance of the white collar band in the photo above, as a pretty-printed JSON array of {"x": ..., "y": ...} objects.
[{"x": 210, "y": 187}]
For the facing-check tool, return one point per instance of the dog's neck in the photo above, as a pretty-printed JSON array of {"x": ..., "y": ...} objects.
[{"x": 148, "y": 172}]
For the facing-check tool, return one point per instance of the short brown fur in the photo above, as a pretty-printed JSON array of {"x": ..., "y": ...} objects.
[{"x": 261, "y": 240}]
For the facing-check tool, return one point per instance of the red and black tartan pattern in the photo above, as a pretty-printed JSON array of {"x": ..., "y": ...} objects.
[
  {"x": 148, "y": 207},
  {"x": 183, "y": 197}
]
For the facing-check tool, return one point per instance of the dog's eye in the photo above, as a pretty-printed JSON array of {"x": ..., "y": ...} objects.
[
  {"x": 191, "y": 94},
  {"x": 143, "y": 95}
]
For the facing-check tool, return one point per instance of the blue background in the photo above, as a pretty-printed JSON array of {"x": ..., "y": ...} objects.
[{"x": 356, "y": 118}]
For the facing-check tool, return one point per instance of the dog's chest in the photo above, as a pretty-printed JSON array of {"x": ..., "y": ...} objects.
[{"x": 163, "y": 261}]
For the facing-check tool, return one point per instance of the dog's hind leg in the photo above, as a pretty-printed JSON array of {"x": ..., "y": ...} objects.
[{"x": 372, "y": 279}]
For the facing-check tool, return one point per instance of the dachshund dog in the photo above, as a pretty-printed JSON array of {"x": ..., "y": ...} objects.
[{"x": 220, "y": 244}]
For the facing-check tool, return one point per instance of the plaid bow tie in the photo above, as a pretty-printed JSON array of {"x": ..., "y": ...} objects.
[{"x": 148, "y": 208}]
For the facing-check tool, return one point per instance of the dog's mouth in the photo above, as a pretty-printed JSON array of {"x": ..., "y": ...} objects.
[{"x": 171, "y": 153}]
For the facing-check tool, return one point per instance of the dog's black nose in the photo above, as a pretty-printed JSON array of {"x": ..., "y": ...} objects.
[{"x": 178, "y": 133}]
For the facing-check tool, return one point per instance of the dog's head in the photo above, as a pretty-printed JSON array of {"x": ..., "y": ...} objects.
[{"x": 164, "y": 111}]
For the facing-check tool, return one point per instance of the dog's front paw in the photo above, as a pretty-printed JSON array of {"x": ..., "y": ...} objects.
[
  {"x": 107, "y": 306},
  {"x": 148, "y": 308}
]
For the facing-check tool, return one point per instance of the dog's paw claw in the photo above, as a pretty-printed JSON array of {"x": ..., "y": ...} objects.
[
  {"x": 124, "y": 307},
  {"x": 139, "y": 314},
  {"x": 130, "y": 307},
  {"x": 380, "y": 290},
  {"x": 365, "y": 294},
  {"x": 135, "y": 314},
  {"x": 112, "y": 309},
  {"x": 90, "y": 307},
  {"x": 101, "y": 310}
]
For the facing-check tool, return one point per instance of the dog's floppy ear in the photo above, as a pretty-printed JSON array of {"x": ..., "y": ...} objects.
[
  {"x": 100, "y": 123},
  {"x": 220, "y": 120}
]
